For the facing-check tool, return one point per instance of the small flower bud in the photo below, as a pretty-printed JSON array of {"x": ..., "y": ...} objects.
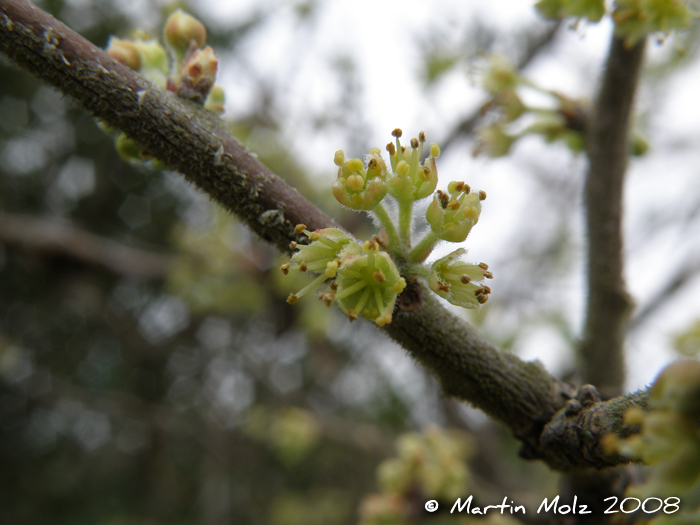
[
  {"x": 129, "y": 149},
  {"x": 215, "y": 100},
  {"x": 124, "y": 51},
  {"x": 197, "y": 74},
  {"x": 181, "y": 30}
]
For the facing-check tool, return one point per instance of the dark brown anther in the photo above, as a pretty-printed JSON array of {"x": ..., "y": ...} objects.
[
  {"x": 421, "y": 136},
  {"x": 414, "y": 143},
  {"x": 397, "y": 133}
]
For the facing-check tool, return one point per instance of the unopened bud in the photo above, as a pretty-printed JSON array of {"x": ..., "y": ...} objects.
[
  {"x": 124, "y": 51},
  {"x": 198, "y": 74},
  {"x": 181, "y": 29}
]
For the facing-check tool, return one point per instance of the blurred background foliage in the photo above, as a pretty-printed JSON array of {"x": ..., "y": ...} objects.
[{"x": 151, "y": 371}]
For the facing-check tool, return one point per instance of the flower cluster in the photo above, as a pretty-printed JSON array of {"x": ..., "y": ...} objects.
[
  {"x": 183, "y": 66},
  {"x": 564, "y": 120},
  {"x": 634, "y": 19},
  {"x": 669, "y": 440},
  {"x": 428, "y": 465},
  {"x": 365, "y": 279}
]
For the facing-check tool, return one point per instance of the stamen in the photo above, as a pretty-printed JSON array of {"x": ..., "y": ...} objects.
[{"x": 359, "y": 285}]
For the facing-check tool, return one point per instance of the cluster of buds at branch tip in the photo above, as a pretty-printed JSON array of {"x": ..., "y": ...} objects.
[
  {"x": 565, "y": 119},
  {"x": 182, "y": 66},
  {"x": 668, "y": 440},
  {"x": 452, "y": 215},
  {"x": 634, "y": 19},
  {"x": 144, "y": 55},
  {"x": 411, "y": 179}
]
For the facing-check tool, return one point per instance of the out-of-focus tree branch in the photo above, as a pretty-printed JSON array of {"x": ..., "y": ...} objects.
[
  {"x": 676, "y": 283},
  {"x": 533, "y": 46},
  {"x": 609, "y": 305},
  {"x": 522, "y": 395},
  {"x": 62, "y": 238}
]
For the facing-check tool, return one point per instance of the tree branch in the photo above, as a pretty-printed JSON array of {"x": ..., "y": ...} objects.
[
  {"x": 609, "y": 305},
  {"x": 522, "y": 395},
  {"x": 533, "y": 46},
  {"x": 63, "y": 238},
  {"x": 179, "y": 134}
]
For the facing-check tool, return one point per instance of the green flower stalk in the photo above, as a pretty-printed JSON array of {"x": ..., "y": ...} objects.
[{"x": 410, "y": 180}]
